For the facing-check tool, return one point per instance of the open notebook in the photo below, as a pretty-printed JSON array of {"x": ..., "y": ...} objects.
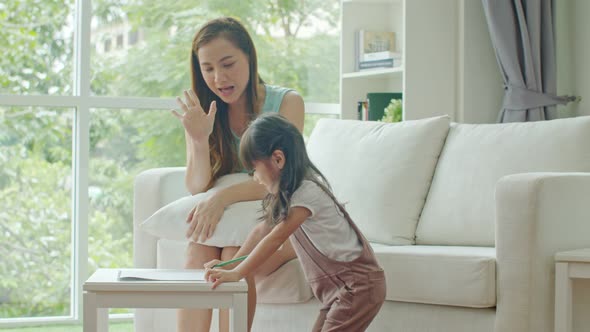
[{"x": 160, "y": 275}]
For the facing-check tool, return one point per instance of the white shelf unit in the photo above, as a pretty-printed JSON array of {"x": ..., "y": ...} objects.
[
  {"x": 426, "y": 34},
  {"x": 367, "y": 15}
]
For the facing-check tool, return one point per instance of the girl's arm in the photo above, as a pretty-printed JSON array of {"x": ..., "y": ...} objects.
[
  {"x": 269, "y": 244},
  {"x": 245, "y": 191}
]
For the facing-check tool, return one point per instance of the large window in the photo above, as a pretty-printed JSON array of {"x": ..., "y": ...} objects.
[
  {"x": 36, "y": 218},
  {"x": 85, "y": 94}
]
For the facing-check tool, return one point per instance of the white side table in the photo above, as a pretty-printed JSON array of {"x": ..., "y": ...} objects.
[
  {"x": 569, "y": 265},
  {"x": 102, "y": 291}
]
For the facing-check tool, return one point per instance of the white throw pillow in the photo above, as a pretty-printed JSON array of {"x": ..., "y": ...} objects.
[
  {"x": 382, "y": 171},
  {"x": 461, "y": 205},
  {"x": 238, "y": 219}
]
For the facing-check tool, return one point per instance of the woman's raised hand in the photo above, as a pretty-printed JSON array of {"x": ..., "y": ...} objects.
[{"x": 197, "y": 123}]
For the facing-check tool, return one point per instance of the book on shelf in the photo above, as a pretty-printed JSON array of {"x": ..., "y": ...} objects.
[
  {"x": 380, "y": 56},
  {"x": 362, "y": 110},
  {"x": 375, "y": 64},
  {"x": 375, "y": 49},
  {"x": 373, "y": 107}
]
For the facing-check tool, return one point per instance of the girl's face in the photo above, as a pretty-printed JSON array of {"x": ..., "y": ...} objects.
[
  {"x": 225, "y": 69},
  {"x": 267, "y": 172}
]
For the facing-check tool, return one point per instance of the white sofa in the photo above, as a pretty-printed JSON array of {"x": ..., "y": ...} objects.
[{"x": 465, "y": 220}]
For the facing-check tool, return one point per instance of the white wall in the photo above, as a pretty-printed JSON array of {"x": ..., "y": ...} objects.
[
  {"x": 480, "y": 89},
  {"x": 430, "y": 53},
  {"x": 580, "y": 57},
  {"x": 563, "y": 42}
]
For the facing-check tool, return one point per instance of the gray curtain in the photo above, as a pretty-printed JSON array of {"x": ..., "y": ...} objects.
[{"x": 523, "y": 37}]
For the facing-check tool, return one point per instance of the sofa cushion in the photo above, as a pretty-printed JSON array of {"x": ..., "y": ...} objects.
[
  {"x": 447, "y": 275},
  {"x": 460, "y": 208},
  {"x": 465, "y": 276},
  {"x": 285, "y": 285},
  {"x": 381, "y": 171}
]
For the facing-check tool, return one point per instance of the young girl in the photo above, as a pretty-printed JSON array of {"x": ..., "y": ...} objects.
[{"x": 337, "y": 260}]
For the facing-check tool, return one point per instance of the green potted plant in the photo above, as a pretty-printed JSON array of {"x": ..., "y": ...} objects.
[{"x": 393, "y": 111}]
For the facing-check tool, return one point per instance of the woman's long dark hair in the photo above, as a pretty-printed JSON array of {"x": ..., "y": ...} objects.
[
  {"x": 223, "y": 155},
  {"x": 271, "y": 132}
]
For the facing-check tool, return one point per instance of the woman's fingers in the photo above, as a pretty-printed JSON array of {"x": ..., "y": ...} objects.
[
  {"x": 182, "y": 105},
  {"x": 213, "y": 109},
  {"x": 176, "y": 114},
  {"x": 189, "y": 99},
  {"x": 205, "y": 232},
  {"x": 189, "y": 218},
  {"x": 190, "y": 230},
  {"x": 193, "y": 224},
  {"x": 197, "y": 232},
  {"x": 211, "y": 230},
  {"x": 194, "y": 98}
]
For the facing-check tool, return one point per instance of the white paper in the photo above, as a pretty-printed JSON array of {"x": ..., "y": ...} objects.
[{"x": 160, "y": 274}]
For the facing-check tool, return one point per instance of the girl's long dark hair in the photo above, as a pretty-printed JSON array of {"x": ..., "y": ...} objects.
[
  {"x": 223, "y": 155},
  {"x": 271, "y": 132}
]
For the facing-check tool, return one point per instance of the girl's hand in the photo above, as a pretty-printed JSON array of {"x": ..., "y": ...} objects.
[
  {"x": 204, "y": 218},
  {"x": 211, "y": 263},
  {"x": 197, "y": 123},
  {"x": 218, "y": 276}
]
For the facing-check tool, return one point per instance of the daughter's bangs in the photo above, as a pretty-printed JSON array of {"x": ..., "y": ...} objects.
[{"x": 247, "y": 152}]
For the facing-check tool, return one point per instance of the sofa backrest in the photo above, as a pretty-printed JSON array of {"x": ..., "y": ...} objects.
[
  {"x": 381, "y": 171},
  {"x": 460, "y": 208}
]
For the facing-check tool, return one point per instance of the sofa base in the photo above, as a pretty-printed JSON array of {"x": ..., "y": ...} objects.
[{"x": 394, "y": 316}]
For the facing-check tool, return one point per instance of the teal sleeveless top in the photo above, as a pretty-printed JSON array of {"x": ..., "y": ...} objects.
[{"x": 272, "y": 104}]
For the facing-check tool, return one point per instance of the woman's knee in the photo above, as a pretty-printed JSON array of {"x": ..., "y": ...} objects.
[
  {"x": 228, "y": 253},
  {"x": 198, "y": 254}
]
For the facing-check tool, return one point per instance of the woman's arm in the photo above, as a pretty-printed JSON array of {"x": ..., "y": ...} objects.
[
  {"x": 198, "y": 125},
  {"x": 293, "y": 109},
  {"x": 198, "y": 165},
  {"x": 267, "y": 246},
  {"x": 204, "y": 217}
]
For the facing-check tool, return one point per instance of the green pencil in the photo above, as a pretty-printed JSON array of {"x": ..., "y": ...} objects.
[{"x": 241, "y": 258}]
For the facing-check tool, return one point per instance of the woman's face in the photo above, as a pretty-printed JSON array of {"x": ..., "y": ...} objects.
[{"x": 225, "y": 69}]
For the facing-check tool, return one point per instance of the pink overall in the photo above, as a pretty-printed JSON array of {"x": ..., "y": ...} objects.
[{"x": 352, "y": 292}]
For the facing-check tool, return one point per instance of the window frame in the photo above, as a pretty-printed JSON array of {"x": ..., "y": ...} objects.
[{"x": 82, "y": 102}]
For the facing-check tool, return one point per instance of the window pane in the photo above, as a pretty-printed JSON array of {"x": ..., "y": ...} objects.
[
  {"x": 35, "y": 221},
  {"x": 122, "y": 144},
  {"x": 302, "y": 54},
  {"x": 36, "y": 46}
]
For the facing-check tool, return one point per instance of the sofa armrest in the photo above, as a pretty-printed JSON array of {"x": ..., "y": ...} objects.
[
  {"x": 537, "y": 215},
  {"x": 153, "y": 189}
]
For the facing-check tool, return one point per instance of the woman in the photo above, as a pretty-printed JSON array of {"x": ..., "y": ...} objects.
[{"x": 225, "y": 82}]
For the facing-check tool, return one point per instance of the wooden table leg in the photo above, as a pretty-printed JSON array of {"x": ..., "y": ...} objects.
[
  {"x": 94, "y": 319},
  {"x": 563, "y": 298},
  {"x": 239, "y": 313}
]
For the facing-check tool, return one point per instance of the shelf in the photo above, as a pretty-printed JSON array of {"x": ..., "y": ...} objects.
[{"x": 375, "y": 73}]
